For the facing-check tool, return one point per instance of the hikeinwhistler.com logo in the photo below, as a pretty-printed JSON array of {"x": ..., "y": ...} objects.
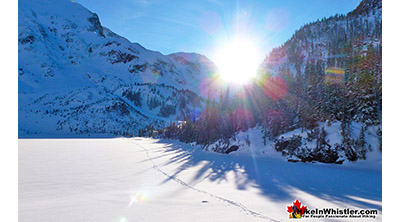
[{"x": 297, "y": 211}]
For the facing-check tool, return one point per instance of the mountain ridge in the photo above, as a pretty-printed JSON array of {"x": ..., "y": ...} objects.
[{"x": 78, "y": 78}]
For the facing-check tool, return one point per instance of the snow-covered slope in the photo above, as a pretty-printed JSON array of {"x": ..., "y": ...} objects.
[
  {"x": 255, "y": 142},
  {"x": 77, "y": 77}
]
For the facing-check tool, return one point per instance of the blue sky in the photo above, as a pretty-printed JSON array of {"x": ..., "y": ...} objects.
[{"x": 202, "y": 26}]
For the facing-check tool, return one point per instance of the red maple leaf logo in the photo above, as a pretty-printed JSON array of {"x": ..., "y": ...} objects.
[{"x": 296, "y": 208}]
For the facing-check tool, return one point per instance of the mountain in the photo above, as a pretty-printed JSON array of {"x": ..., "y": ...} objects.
[
  {"x": 335, "y": 57},
  {"x": 78, "y": 78},
  {"x": 318, "y": 97},
  {"x": 331, "y": 41}
]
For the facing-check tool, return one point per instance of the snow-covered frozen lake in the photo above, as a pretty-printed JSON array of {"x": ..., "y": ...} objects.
[{"x": 142, "y": 179}]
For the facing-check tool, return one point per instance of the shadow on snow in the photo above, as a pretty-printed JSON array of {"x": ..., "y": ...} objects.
[{"x": 276, "y": 178}]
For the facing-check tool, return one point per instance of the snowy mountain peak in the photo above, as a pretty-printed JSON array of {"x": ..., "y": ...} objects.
[{"x": 77, "y": 77}]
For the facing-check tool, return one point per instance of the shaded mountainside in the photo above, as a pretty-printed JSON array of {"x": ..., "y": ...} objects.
[
  {"x": 332, "y": 68},
  {"x": 78, "y": 78},
  {"x": 333, "y": 41}
]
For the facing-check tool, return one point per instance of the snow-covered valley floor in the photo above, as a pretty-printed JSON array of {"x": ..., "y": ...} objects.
[{"x": 142, "y": 179}]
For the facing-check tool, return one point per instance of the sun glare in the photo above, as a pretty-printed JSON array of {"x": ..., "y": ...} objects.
[{"x": 238, "y": 61}]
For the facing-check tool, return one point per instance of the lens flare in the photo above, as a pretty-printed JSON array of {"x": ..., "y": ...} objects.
[
  {"x": 140, "y": 197},
  {"x": 151, "y": 77},
  {"x": 334, "y": 75},
  {"x": 211, "y": 87},
  {"x": 242, "y": 118},
  {"x": 275, "y": 87}
]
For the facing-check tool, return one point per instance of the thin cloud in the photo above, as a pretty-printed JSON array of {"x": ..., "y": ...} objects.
[{"x": 143, "y": 2}]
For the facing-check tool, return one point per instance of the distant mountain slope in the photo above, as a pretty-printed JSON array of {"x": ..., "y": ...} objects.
[
  {"x": 78, "y": 78},
  {"x": 332, "y": 41}
]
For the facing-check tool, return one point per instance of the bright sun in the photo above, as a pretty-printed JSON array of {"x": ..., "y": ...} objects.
[{"x": 238, "y": 61}]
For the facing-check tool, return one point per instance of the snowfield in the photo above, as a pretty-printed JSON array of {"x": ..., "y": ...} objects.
[{"x": 142, "y": 179}]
